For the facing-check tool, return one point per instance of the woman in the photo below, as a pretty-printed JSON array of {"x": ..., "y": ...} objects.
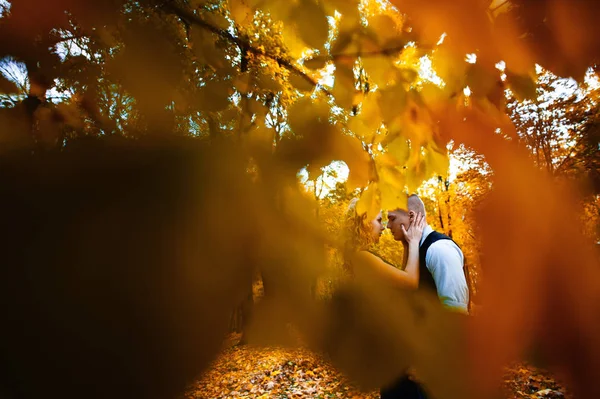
[
  {"x": 370, "y": 268},
  {"x": 362, "y": 234}
]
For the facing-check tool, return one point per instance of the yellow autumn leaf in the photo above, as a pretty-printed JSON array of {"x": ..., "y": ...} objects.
[
  {"x": 204, "y": 47},
  {"x": 380, "y": 69},
  {"x": 350, "y": 150},
  {"x": 244, "y": 121},
  {"x": 303, "y": 111},
  {"x": 523, "y": 86},
  {"x": 391, "y": 188},
  {"x": 407, "y": 75},
  {"x": 343, "y": 86},
  {"x": 198, "y": 3},
  {"x": 317, "y": 62},
  {"x": 384, "y": 27},
  {"x": 230, "y": 114},
  {"x": 344, "y": 7},
  {"x": 512, "y": 46},
  {"x": 416, "y": 123},
  {"x": 315, "y": 168},
  {"x": 416, "y": 174},
  {"x": 399, "y": 149},
  {"x": 257, "y": 108},
  {"x": 481, "y": 79},
  {"x": 369, "y": 202},
  {"x": 410, "y": 58},
  {"x": 392, "y": 101},
  {"x": 368, "y": 121},
  {"x": 433, "y": 96},
  {"x": 360, "y": 129},
  {"x": 466, "y": 23},
  {"x": 242, "y": 82},
  {"x": 450, "y": 66},
  {"x": 215, "y": 20},
  {"x": 240, "y": 12},
  {"x": 214, "y": 95},
  {"x": 268, "y": 82},
  {"x": 149, "y": 73},
  {"x": 370, "y": 111},
  {"x": 311, "y": 23},
  {"x": 497, "y": 95},
  {"x": 262, "y": 137},
  {"x": 437, "y": 161},
  {"x": 387, "y": 160},
  {"x": 342, "y": 43},
  {"x": 279, "y": 10},
  {"x": 293, "y": 42},
  {"x": 257, "y": 3},
  {"x": 301, "y": 82}
]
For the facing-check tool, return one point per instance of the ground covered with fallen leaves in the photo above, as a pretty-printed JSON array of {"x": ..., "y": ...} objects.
[{"x": 248, "y": 372}]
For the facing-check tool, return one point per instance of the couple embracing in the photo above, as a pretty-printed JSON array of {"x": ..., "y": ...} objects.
[{"x": 432, "y": 261}]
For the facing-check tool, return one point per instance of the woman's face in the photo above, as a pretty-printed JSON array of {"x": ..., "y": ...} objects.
[{"x": 377, "y": 226}]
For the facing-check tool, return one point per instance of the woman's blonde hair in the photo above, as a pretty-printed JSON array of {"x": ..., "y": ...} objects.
[{"x": 357, "y": 229}]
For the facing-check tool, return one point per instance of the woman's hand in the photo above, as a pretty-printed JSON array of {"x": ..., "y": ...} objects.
[{"x": 415, "y": 230}]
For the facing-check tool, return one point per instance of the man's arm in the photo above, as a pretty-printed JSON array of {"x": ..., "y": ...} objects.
[{"x": 445, "y": 262}]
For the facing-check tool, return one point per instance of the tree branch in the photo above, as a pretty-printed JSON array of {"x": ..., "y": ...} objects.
[
  {"x": 14, "y": 78},
  {"x": 492, "y": 10},
  {"x": 68, "y": 38},
  {"x": 560, "y": 167},
  {"x": 191, "y": 18},
  {"x": 363, "y": 54}
]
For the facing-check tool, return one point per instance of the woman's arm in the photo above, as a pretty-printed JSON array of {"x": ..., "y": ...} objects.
[
  {"x": 367, "y": 265},
  {"x": 411, "y": 249}
]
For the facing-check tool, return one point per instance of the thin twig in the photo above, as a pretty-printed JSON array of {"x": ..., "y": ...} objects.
[
  {"x": 68, "y": 38},
  {"x": 363, "y": 54},
  {"x": 9, "y": 74}
]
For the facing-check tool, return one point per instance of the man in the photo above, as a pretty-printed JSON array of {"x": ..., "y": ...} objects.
[
  {"x": 441, "y": 264},
  {"x": 441, "y": 260}
]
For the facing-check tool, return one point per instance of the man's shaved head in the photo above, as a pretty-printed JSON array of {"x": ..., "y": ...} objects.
[
  {"x": 415, "y": 204},
  {"x": 401, "y": 217}
]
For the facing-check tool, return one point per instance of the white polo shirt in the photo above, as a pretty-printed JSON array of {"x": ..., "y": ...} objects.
[{"x": 445, "y": 262}]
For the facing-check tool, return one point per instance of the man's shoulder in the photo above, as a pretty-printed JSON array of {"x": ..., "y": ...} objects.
[
  {"x": 440, "y": 236},
  {"x": 434, "y": 237},
  {"x": 441, "y": 245}
]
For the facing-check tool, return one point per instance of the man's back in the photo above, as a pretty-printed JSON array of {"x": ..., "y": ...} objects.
[{"x": 441, "y": 269}]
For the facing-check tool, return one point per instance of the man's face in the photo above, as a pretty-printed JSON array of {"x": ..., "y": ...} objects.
[{"x": 396, "y": 219}]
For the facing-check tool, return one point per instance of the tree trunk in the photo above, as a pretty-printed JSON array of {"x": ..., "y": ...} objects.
[
  {"x": 440, "y": 215},
  {"x": 470, "y": 285},
  {"x": 235, "y": 320},
  {"x": 246, "y": 317},
  {"x": 447, "y": 186}
]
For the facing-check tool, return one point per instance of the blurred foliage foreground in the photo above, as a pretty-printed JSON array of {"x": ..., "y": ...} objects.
[{"x": 150, "y": 152}]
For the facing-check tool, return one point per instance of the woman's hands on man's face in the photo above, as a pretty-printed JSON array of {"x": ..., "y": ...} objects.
[{"x": 413, "y": 234}]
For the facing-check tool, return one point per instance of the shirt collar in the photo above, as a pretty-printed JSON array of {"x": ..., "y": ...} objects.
[{"x": 426, "y": 231}]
